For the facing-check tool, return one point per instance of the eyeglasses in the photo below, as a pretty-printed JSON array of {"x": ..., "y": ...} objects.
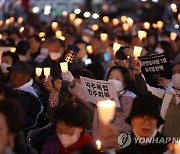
[{"x": 143, "y": 119}]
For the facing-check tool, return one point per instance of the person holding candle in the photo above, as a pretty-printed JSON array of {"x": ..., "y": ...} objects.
[
  {"x": 145, "y": 119},
  {"x": 170, "y": 96},
  {"x": 20, "y": 80},
  {"x": 57, "y": 55},
  {"x": 120, "y": 77},
  {"x": 69, "y": 121},
  {"x": 11, "y": 120}
]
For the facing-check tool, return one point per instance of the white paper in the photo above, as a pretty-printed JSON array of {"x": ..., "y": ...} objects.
[{"x": 98, "y": 90}]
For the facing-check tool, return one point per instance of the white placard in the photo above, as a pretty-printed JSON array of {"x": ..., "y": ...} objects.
[{"x": 98, "y": 90}]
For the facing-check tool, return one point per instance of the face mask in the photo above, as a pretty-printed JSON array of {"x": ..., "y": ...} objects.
[
  {"x": 176, "y": 80},
  {"x": 86, "y": 39},
  {"x": 118, "y": 84},
  {"x": 68, "y": 140},
  {"x": 44, "y": 52},
  {"x": 4, "y": 67},
  {"x": 54, "y": 55},
  {"x": 22, "y": 58}
]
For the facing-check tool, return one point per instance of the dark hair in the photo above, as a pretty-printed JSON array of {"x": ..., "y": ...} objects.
[
  {"x": 22, "y": 47},
  {"x": 125, "y": 74},
  {"x": 14, "y": 56},
  {"x": 82, "y": 72},
  {"x": 71, "y": 114},
  {"x": 36, "y": 37},
  {"x": 13, "y": 113},
  {"x": 55, "y": 40},
  {"x": 10, "y": 42},
  {"x": 168, "y": 50},
  {"x": 97, "y": 70}
]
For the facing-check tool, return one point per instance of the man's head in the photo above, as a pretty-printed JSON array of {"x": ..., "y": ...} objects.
[
  {"x": 20, "y": 74},
  {"x": 55, "y": 48},
  {"x": 34, "y": 42},
  {"x": 145, "y": 115},
  {"x": 22, "y": 49}
]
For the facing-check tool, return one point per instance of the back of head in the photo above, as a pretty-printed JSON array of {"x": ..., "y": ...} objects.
[
  {"x": 71, "y": 114},
  {"x": 82, "y": 72},
  {"x": 13, "y": 113},
  {"x": 147, "y": 104},
  {"x": 22, "y": 47}
]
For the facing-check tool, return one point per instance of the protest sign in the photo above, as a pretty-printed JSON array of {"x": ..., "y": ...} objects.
[
  {"x": 155, "y": 66},
  {"x": 98, "y": 90}
]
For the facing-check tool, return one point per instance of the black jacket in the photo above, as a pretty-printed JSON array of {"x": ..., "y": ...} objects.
[{"x": 31, "y": 105}]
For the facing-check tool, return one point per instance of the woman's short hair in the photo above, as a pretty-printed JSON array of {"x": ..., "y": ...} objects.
[
  {"x": 14, "y": 114},
  {"x": 71, "y": 114},
  {"x": 125, "y": 74}
]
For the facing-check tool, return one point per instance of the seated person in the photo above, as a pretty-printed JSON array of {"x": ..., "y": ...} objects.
[
  {"x": 69, "y": 121},
  {"x": 145, "y": 119},
  {"x": 11, "y": 119},
  {"x": 21, "y": 82}
]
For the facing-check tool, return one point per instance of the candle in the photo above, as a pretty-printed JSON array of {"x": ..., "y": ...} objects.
[
  {"x": 105, "y": 19},
  {"x": 159, "y": 24},
  {"x": 12, "y": 49},
  {"x": 95, "y": 27},
  {"x": 62, "y": 38},
  {"x": 125, "y": 26},
  {"x": 0, "y": 36},
  {"x": 65, "y": 13},
  {"x": 130, "y": 22},
  {"x": 147, "y": 25},
  {"x": 1, "y": 22},
  {"x": 115, "y": 21},
  {"x": 98, "y": 144},
  {"x": 43, "y": 39},
  {"x": 64, "y": 67},
  {"x": 20, "y": 20},
  {"x": 142, "y": 34},
  {"x": 58, "y": 33},
  {"x": 21, "y": 29},
  {"x": 104, "y": 36},
  {"x": 8, "y": 21},
  {"x": 179, "y": 17},
  {"x": 123, "y": 19},
  {"x": 137, "y": 51},
  {"x": 116, "y": 47},
  {"x": 38, "y": 71},
  {"x": 72, "y": 16},
  {"x": 47, "y": 71},
  {"x": 89, "y": 49},
  {"x": 177, "y": 148},
  {"x": 106, "y": 110},
  {"x": 54, "y": 25},
  {"x": 77, "y": 21},
  {"x": 154, "y": 25},
  {"x": 42, "y": 34},
  {"x": 173, "y": 36},
  {"x": 11, "y": 19}
]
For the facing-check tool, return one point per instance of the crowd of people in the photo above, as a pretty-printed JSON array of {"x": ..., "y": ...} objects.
[{"x": 52, "y": 115}]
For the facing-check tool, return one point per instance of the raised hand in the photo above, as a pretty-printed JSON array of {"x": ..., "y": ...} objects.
[{"x": 136, "y": 64}]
